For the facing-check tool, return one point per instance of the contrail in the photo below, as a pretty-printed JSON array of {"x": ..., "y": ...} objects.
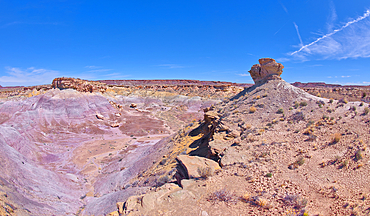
[
  {"x": 366, "y": 14},
  {"x": 299, "y": 36}
]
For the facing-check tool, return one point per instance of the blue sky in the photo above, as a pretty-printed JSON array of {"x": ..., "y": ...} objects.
[{"x": 316, "y": 40}]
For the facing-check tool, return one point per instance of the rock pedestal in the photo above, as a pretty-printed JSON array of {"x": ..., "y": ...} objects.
[{"x": 267, "y": 69}]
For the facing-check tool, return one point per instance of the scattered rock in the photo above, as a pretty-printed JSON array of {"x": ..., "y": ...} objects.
[
  {"x": 114, "y": 125},
  {"x": 133, "y": 105},
  {"x": 100, "y": 116}
]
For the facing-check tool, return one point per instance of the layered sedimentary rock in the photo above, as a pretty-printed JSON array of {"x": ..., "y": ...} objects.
[
  {"x": 267, "y": 69},
  {"x": 79, "y": 85}
]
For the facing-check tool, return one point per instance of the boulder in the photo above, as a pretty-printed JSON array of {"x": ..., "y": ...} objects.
[
  {"x": 190, "y": 167},
  {"x": 232, "y": 156},
  {"x": 99, "y": 116},
  {"x": 218, "y": 146},
  {"x": 113, "y": 125},
  {"x": 267, "y": 69},
  {"x": 211, "y": 116},
  {"x": 133, "y": 105}
]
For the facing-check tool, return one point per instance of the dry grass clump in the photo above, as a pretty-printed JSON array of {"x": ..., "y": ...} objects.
[
  {"x": 296, "y": 104},
  {"x": 343, "y": 164},
  {"x": 366, "y": 110},
  {"x": 222, "y": 196},
  {"x": 280, "y": 111},
  {"x": 299, "y": 162},
  {"x": 358, "y": 155},
  {"x": 337, "y": 137},
  {"x": 262, "y": 202},
  {"x": 205, "y": 172},
  {"x": 303, "y": 103},
  {"x": 296, "y": 201},
  {"x": 252, "y": 109},
  {"x": 269, "y": 175},
  {"x": 296, "y": 117}
]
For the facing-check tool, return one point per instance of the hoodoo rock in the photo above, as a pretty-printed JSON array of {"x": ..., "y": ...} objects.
[{"x": 267, "y": 69}]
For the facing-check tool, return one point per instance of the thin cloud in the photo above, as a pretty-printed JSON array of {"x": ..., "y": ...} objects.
[
  {"x": 333, "y": 16},
  {"x": 333, "y": 44},
  {"x": 116, "y": 76},
  {"x": 299, "y": 35},
  {"x": 171, "y": 66},
  {"x": 284, "y": 8},
  {"x": 27, "y": 77},
  {"x": 29, "y": 23},
  {"x": 99, "y": 70},
  {"x": 244, "y": 75},
  {"x": 280, "y": 28},
  {"x": 345, "y": 76},
  {"x": 282, "y": 59},
  {"x": 92, "y": 67}
]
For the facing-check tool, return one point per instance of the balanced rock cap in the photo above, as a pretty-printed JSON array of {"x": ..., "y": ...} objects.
[{"x": 267, "y": 69}]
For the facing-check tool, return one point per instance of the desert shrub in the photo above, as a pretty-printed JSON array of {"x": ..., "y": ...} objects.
[
  {"x": 364, "y": 94},
  {"x": 290, "y": 108},
  {"x": 344, "y": 164},
  {"x": 310, "y": 123},
  {"x": 320, "y": 103},
  {"x": 246, "y": 197},
  {"x": 362, "y": 103},
  {"x": 252, "y": 109},
  {"x": 366, "y": 111},
  {"x": 337, "y": 137},
  {"x": 222, "y": 196},
  {"x": 296, "y": 104},
  {"x": 318, "y": 94},
  {"x": 261, "y": 202},
  {"x": 296, "y": 117},
  {"x": 311, "y": 137},
  {"x": 258, "y": 97},
  {"x": 358, "y": 155},
  {"x": 300, "y": 161},
  {"x": 265, "y": 95},
  {"x": 296, "y": 201},
  {"x": 309, "y": 131},
  {"x": 303, "y": 103},
  {"x": 297, "y": 163},
  {"x": 345, "y": 100},
  {"x": 269, "y": 175},
  {"x": 331, "y": 100},
  {"x": 353, "y": 108},
  {"x": 205, "y": 172},
  {"x": 280, "y": 111}
]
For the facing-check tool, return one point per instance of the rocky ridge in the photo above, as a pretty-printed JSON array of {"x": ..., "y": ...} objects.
[{"x": 282, "y": 151}]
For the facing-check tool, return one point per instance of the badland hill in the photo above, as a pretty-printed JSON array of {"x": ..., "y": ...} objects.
[{"x": 185, "y": 148}]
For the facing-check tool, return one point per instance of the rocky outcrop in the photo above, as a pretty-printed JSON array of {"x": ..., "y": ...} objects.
[
  {"x": 267, "y": 69},
  {"x": 79, "y": 85},
  {"x": 190, "y": 167}
]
